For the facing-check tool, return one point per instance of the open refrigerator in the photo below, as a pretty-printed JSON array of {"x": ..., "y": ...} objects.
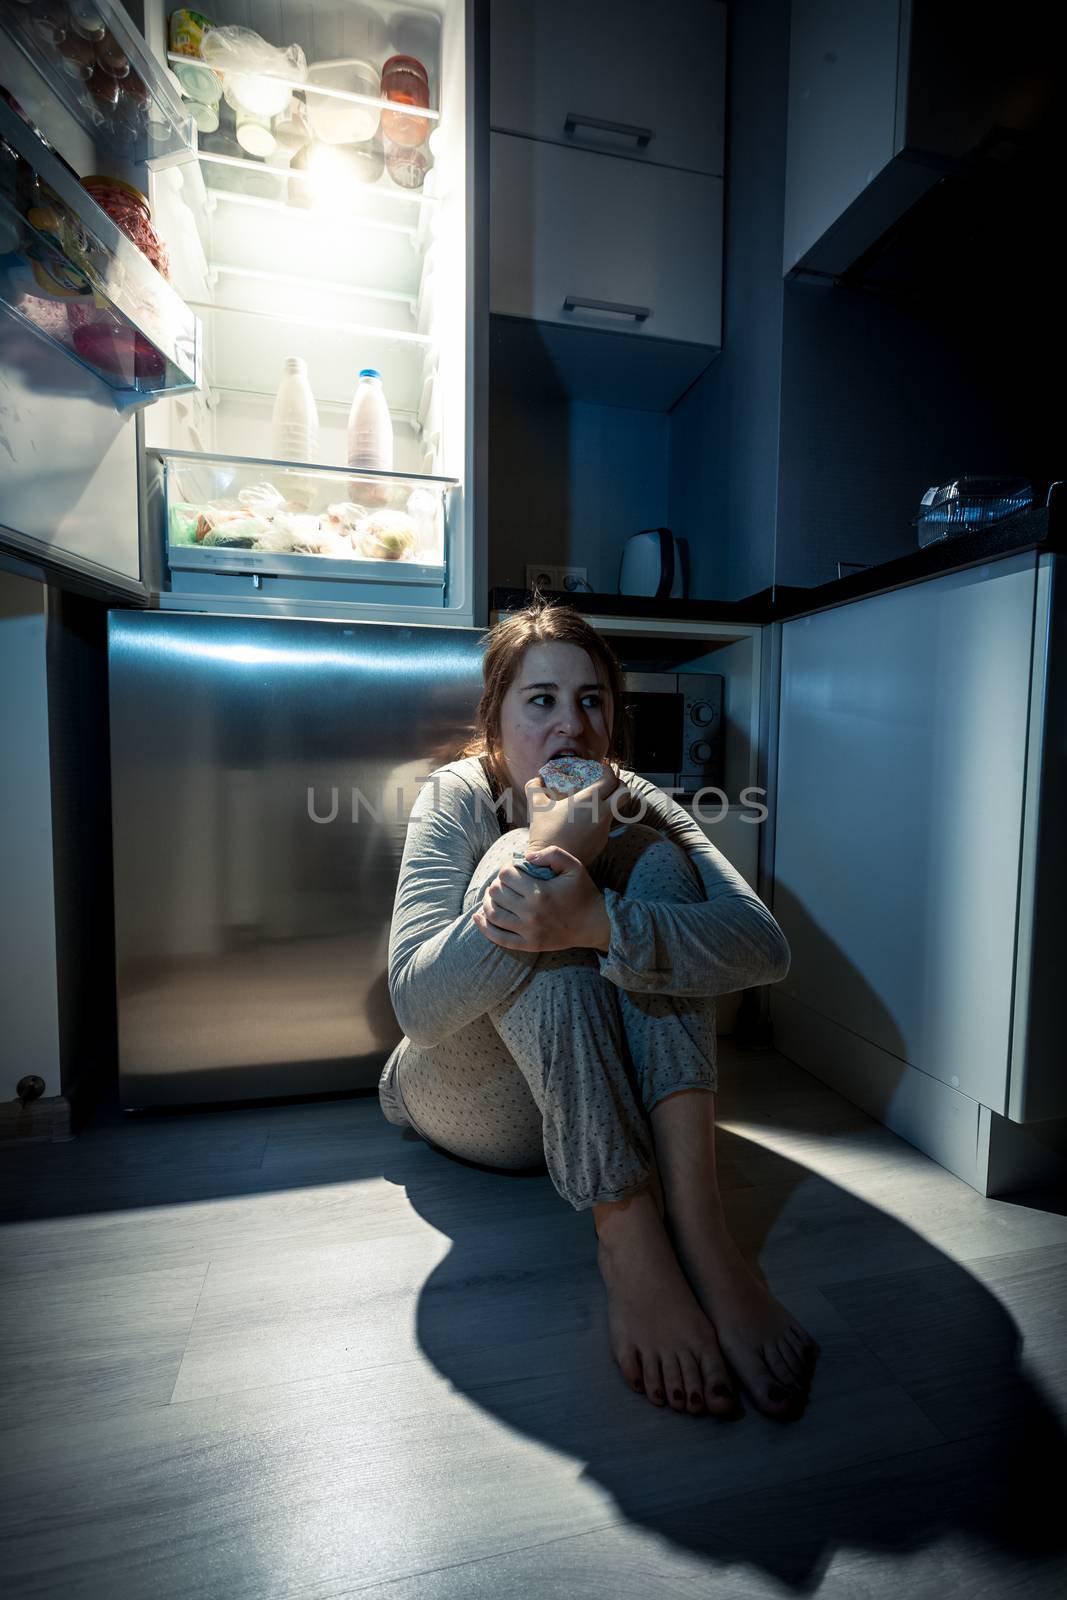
[{"x": 347, "y": 252}]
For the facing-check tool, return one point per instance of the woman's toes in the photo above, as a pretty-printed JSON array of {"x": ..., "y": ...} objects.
[
  {"x": 777, "y": 1366},
  {"x": 692, "y": 1383},
  {"x": 653, "y": 1379},
  {"x": 806, "y": 1351},
  {"x": 776, "y": 1399},
  {"x": 630, "y": 1366},
  {"x": 793, "y": 1363},
  {"x": 673, "y": 1382},
  {"x": 720, "y": 1396}
]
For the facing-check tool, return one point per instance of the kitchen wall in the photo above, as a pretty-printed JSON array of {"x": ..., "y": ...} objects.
[
  {"x": 724, "y": 432},
  {"x": 568, "y": 481}
]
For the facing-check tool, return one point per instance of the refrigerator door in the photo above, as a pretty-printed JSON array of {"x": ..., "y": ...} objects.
[
  {"x": 258, "y": 832},
  {"x": 68, "y": 472}
]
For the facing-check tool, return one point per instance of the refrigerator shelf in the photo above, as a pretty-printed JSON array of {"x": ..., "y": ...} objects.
[
  {"x": 148, "y": 120},
  {"x": 318, "y": 90},
  {"x": 241, "y": 180},
  {"x": 72, "y": 275},
  {"x": 302, "y": 518},
  {"x": 245, "y": 348}
]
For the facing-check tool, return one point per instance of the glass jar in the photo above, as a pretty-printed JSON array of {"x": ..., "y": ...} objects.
[
  {"x": 407, "y": 165},
  {"x": 405, "y": 80}
]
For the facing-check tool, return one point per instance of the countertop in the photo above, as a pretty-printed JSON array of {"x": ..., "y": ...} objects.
[{"x": 1041, "y": 527}]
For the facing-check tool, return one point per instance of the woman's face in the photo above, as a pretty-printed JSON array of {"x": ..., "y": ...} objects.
[{"x": 555, "y": 702}]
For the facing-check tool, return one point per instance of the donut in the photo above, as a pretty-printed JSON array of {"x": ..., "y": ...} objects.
[{"x": 565, "y": 775}]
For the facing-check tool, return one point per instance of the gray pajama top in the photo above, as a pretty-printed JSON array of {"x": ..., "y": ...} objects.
[{"x": 443, "y": 972}]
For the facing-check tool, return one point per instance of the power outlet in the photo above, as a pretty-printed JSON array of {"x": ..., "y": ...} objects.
[
  {"x": 542, "y": 577},
  {"x": 572, "y": 578}
]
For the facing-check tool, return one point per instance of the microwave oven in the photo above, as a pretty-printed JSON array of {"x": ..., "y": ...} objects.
[{"x": 677, "y": 728}]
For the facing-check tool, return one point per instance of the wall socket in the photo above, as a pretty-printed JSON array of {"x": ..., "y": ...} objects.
[{"x": 556, "y": 578}]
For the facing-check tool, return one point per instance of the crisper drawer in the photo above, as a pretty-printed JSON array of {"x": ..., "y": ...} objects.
[
  {"x": 561, "y": 71},
  {"x": 569, "y": 226},
  {"x": 245, "y": 527}
]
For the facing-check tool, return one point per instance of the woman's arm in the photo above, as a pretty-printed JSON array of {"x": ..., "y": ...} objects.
[
  {"x": 726, "y": 942},
  {"x": 442, "y": 971}
]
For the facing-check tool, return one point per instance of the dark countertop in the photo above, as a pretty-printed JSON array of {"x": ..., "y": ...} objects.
[{"x": 1038, "y": 528}]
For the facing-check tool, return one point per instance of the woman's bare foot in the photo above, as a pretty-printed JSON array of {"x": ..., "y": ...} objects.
[
  {"x": 768, "y": 1349},
  {"x": 660, "y": 1338}
]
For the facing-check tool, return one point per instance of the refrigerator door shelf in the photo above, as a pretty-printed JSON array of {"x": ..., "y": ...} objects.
[
  {"x": 148, "y": 121},
  {"x": 69, "y": 273}
]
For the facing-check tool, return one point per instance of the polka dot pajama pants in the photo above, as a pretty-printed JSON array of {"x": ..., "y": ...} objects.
[{"x": 564, "y": 1072}]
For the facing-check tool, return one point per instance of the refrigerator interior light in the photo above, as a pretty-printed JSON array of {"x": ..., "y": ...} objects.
[{"x": 327, "y": 172}]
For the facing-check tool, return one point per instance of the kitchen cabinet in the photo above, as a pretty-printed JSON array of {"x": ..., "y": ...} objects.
[
  {"x": 613, "y": 75},
  {"x": 606, "y": 184},
  {"x": 586, "y": 240},
  {"x": 915, "y": 781},
  {"x": 887, "y": 98}
]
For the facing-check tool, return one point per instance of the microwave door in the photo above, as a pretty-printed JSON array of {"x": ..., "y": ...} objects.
[{"x": 656, "y": 720}]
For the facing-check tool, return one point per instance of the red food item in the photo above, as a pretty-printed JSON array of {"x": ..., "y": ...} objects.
[
  {"x": 97, "y": 335},
  {"x": 77, "y": 56},
  {"x": 405, "y": 80},
  {"x": 118, "y": 349},
  {"x": 135, "y": 88},
  {"x": 128, "y": 208},
  {"x": 111, "y": 56},
  {"x": 104, "y": 90}
]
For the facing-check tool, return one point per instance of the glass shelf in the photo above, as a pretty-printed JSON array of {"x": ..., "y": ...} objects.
[
  {"x": 133, "y": 111},
  {"x": 73, "y": 276},
  {"x": 424, "y": 113},
  {"x": 381, "y": 204},
  {"x": 242, "y": 514}
]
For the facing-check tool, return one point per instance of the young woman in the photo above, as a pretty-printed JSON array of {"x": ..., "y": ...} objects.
[{"x": 569, "y": 1019}]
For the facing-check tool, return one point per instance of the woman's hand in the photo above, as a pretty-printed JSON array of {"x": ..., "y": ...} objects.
[
  {"x": 569, "y": 822},
  {"x": 563, "y": 913}
]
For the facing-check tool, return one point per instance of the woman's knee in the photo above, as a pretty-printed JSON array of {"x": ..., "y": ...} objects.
[{"x": 643, "y": 863}]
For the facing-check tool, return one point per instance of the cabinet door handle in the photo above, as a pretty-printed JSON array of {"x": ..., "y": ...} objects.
[
  {"x": 627, "y": 129},
  {"x": 576, "y": 302}
]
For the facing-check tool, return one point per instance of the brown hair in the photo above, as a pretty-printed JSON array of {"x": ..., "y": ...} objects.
[{"x": 541, "y": 622}]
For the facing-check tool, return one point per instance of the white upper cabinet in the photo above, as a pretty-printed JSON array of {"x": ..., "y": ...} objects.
[
  {"x": 625, "y": 76},
  {"x": 842, "y": 112},
  {"x": 589, "y": 241}
]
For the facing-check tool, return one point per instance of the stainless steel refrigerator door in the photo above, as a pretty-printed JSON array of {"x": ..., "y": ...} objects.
[{"x": 262, "y": 774}]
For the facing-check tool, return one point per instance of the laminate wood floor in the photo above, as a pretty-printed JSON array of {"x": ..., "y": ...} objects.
[{"x": 291, "y": 1350}]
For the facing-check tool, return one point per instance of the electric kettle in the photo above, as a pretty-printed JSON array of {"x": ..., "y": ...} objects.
[{"x": 655, "y": 563}]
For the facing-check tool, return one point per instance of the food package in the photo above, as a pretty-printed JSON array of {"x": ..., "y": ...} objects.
[
  {"x": 310, "y": 536},
  {"x": 386, "y": 536},
  {"x": 230, "y": 532},
  {"x": 241, "y": 57},
  {"x": 263, "y": 499}
]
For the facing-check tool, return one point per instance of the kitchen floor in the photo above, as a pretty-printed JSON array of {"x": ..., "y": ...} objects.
[{"x": 293, "y": 1351}]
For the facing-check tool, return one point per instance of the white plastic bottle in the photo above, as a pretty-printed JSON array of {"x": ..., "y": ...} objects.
[
  {"x": 295, "y": 421},
  {"x": 370, "y": 427}
]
